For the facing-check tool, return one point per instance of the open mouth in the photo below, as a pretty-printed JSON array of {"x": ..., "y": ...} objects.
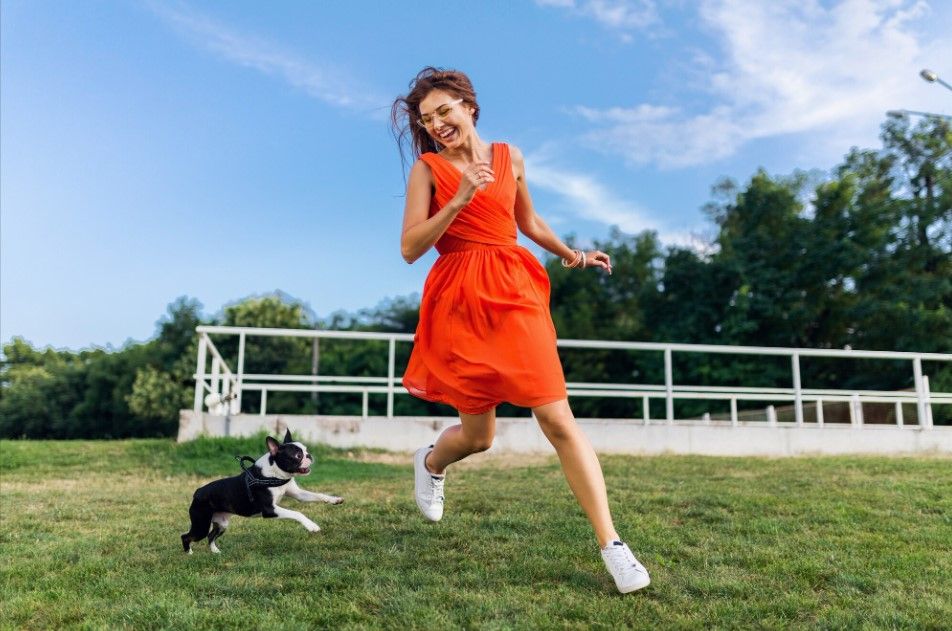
[{"x": 447, "y": 135}]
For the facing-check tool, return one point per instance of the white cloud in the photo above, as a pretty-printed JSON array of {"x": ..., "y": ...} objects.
[
  {"x": 785, "y": 67},
  {"x": 323, "y": 81},
  {"x": 586, "y": 197},
  {"x": 618, "y": 15}
]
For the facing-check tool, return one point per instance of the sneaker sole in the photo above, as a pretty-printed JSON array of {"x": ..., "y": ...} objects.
[{"x": 635, "y": 587}]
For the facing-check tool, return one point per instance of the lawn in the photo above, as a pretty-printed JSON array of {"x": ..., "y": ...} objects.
[{"x": 90, "y": 538}]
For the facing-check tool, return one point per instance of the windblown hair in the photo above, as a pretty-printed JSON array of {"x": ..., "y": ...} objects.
[{"x": 405, "y": 112}]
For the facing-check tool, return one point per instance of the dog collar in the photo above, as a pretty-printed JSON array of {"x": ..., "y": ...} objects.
[{"x": 252, "y": 480}]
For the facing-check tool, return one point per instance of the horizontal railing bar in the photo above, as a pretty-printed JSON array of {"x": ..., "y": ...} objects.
[
  {"x": 329, "y": 378},
  {"x": 742, "y": 389},
  {"x": 812, "y": 392},
  {"x": 265, "y": 332},
  {"x": 750, "y": 350},
  {"x": 595, "y": 344},
  {"x": 271, "y": 387},
  {"x": 277, "y": 387}
]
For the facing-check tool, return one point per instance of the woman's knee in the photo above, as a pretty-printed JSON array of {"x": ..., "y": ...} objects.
[
  {"x": 556, "y": 422},
  {"x": 479, "y": 430},
  {"x": 557, "y": 429}
]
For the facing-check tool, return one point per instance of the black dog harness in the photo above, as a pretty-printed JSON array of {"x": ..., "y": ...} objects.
[{"x": 253, "y": 480}]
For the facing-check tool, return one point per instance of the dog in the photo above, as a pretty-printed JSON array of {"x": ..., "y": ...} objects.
[{"x": 255, "y": 491}]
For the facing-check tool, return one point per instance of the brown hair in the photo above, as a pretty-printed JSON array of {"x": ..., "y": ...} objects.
[{"x": 405, "y": 111}]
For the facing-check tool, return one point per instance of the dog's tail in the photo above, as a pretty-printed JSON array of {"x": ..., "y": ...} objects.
[{"x": 201, "y": 517}]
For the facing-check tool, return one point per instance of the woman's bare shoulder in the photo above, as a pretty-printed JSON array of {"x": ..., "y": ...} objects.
[
  {"x": 421, "y": 172},
  {"x": 421, "y": 166},
  {"x": 517, "y": 161},
  {"x": 515, "y": 154}
]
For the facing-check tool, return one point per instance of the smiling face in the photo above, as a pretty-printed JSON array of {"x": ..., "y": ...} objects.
[{"x": 450, "y": 120}]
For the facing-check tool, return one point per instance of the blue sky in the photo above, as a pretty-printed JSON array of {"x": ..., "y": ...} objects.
[{"x": 150, "y": 150}]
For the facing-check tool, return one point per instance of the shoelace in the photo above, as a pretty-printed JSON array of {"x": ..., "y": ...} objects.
[
  {"x": 622, "y": 558},
  {"x": 436, "y": 488}
]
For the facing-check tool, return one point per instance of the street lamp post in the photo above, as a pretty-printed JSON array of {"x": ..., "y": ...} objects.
[{"x": 932, "y": 77}]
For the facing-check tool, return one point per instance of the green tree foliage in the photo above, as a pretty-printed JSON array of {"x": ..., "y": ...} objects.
[
  {"x": 158, "y": 398},
  {"x": 861, "y": 259}
]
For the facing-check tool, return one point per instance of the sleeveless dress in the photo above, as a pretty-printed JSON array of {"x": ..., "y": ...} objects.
[{"x": 485, "y": 334}]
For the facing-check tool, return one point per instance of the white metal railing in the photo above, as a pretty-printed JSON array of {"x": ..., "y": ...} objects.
[{"x": 224, "y": 387}]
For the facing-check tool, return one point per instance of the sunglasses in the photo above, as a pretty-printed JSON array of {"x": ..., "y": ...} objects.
[{"x": 441, "y": 112}]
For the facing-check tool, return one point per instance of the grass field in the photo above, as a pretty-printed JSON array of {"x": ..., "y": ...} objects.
[{"x": 90, "y": 538}]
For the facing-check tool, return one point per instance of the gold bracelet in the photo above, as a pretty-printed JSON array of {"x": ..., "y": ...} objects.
[{"x": 575, "y": 261}]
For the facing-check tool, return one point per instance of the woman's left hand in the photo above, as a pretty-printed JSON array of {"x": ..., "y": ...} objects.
[{"x": 597, "y": 258}]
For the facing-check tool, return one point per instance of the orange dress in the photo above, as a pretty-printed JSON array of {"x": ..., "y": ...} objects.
[{"x": 485, "y": 334}]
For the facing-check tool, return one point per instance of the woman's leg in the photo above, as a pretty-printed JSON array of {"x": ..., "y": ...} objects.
[
  {"x": 473, "y": 435},
  {"x": 580, "y": 464}
]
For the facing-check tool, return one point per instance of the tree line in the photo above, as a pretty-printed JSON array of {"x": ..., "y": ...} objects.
[{"x": 860, "y": 258}]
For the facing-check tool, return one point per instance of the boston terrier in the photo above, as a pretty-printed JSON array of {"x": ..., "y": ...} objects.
[{"x": 255, "y": 491}]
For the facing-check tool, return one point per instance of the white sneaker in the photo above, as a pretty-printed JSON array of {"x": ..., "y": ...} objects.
[
  {"x": 629, "y": 574},
  {"x": 428, "y": 487}
]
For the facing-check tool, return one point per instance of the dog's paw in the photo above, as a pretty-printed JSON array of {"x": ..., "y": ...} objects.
[
  {"x": 312, "y": 527},
  {"x": 337, "y": 500}
]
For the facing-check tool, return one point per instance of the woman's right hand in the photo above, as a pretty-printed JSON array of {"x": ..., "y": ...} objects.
[{"x": 476, "y": 177}]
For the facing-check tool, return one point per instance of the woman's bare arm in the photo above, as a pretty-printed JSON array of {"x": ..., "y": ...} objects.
[{"x": 534, "y": 227}]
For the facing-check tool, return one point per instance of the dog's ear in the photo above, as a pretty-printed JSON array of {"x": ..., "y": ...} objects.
[
  {"x": 287, "y": 437},
  {"x": 272, "y": 446}
]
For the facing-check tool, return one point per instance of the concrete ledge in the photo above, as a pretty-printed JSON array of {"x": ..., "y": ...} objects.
[{"x": 522, "y": 435}]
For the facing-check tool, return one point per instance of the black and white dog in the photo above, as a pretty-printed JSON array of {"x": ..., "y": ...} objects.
[{"x": 255, "y": 491}]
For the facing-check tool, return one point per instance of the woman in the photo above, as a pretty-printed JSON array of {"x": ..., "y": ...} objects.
[{"x": 485, "y": 334}]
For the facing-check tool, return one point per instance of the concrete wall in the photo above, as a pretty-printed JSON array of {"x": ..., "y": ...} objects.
[{"x": 522, "y": 435}]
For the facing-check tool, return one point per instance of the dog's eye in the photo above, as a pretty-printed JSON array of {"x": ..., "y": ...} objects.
[{"x": 298, "y": 456}]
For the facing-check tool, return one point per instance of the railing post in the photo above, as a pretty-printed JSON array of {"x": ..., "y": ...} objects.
[
  {"x": 899, "y": 419},
  {"x": 264, "y": 401},
  {"x": 200, "y": 374},
  {"x": 734, "y": 421},
  {"x": 771, "y": 416},
  {"x": 390, "y": 371},
  {"x": 668, "y": 386},
  {"x": 920, "y": 391},
  {"x": 364, "y": 408},
  {"x": 215, "y": 381},
  {"x": 315, "y": 361},
  {"x": 645, "y": 410},
  {"x": 856, "y": 411},
  {"x": 797, "y": 391},
  {"x": 224, "y": 403},
  {"x": 927, "y": 392},
  {"x": 819, "y": 412},
  {"x": 236, "y": 402}
]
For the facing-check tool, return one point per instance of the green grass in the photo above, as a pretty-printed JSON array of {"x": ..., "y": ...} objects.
[{"x": 90, "y": 538}]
